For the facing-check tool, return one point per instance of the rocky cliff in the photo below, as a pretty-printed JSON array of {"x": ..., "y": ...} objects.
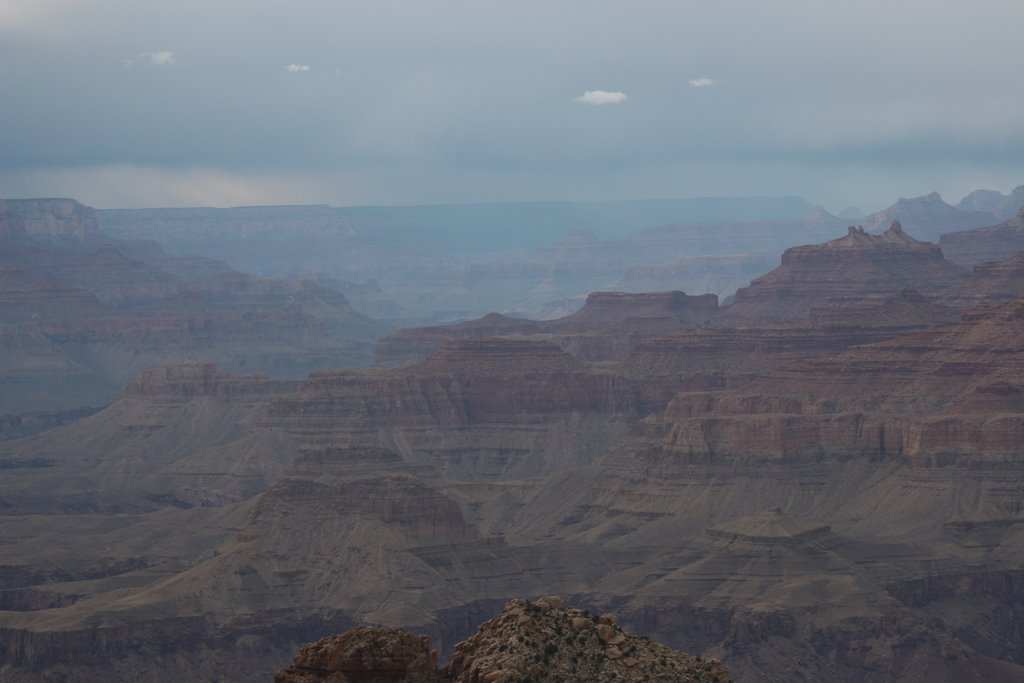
[
  {"x": 608, "y": 327},
  {"x": 990, "y": 282},
  {"x": 80, "y": 314},
  {"x": 47, "y": 220},
  {"x": 785, "y": 522},
  {"x": 857, "y": 265},
  {"x": 831, "y": 499},
  {"x": 727, "y": 356},
  {"x": 993, "y": 243}
]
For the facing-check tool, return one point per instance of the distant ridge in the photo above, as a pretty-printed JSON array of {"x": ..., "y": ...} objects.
[
  {"x": 991, "y": 243},
  {"x": 478, "y": 227},
  {"x": 1002, "y": 206},
  {"x": 926, "y": 217}
]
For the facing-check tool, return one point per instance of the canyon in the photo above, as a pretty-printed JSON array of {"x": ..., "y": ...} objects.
[
  {"x": 537, "y": 260},
  {"x": 81, "y": 314},
  {"x": 820, "y": 480}
]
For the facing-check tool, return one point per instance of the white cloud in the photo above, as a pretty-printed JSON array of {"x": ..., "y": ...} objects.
[
  {"x": 599, "y": 97},
  {"x": 161, "y": 58},
  {"x": 702, "y": 82},
  {"x": 298, "y": 68}
]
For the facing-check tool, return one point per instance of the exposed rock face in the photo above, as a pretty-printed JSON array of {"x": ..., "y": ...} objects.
[
  {"x": 29, "y": 297},
  {"x": 919, "y": 405},
  {"x": 645, "y": 313},
  {"x": 899, "y": 313},
  {"x": 608, "y": 327},
  {"x": 48, "y": 219},
  {"x": 365, "y": 655},
  {"x": 538, "y": 641},
  {"x": 993, "y": 243},
  {"x": 751, "y": 495},
  {"x": 410, "y": 346},
  {"x": 926, "y": 217},
  {"x": 545, "y": 641},
  {"x": 200, "y": 379},
  {"x": 992, "y": 282},
  {"x": 857, "y": 265},
  {"x": 726, "y": 357},
  {"x": 502, "y": 465},
  {"x": 81, "y": 315}
]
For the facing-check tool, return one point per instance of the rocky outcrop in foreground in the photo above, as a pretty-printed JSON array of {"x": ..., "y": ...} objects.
[
  {"x": 366, "y": 654},
  {"x": 529, "y": 641}
]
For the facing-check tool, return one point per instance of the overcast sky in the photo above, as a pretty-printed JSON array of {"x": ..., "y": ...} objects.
[{"x": 188, "y": 102}]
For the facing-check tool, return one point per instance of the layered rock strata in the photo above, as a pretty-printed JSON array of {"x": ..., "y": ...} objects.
[
  {"x": 849, "y": 517},
  {"x": 857, "y": 265},
  {"x": 993, "y": 243},
  {"x": 48, "y": 219},
  {"x": 80, "y": 315},
  {"x": 608, "y": 327}
]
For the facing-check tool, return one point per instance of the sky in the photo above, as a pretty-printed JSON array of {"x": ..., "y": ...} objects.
[{"x": 134, "y": 103}]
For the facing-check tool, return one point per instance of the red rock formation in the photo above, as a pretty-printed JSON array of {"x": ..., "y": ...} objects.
[
  {"x": 857, "y": 265},
  {"x": 412, "y": 345},
  {"x": 724, "y": 356},
  {"x": 955, "y": 390},
  {"x": 79, "y": 317},
  {"x": 992, "y": 282},
  {"x": 421, "y": 496},
  {"x": 201, "y": 379},
  {"x": 30, "y": 297},
  {"x": 608, "y": 327}
]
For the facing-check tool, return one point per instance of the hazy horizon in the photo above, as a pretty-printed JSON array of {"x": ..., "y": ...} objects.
[{"x": 127, "y": 105}]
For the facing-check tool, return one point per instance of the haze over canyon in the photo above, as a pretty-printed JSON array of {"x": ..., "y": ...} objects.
[
  {"x": 808, "y": 469},
  {"x": 532, "y": 342}
]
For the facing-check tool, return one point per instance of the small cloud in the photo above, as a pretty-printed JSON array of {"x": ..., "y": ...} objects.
[
  {"x": 702, "y": 82},
  {"x": 161, "y": 58},
  {"x": 297, "y": 68},
  {"x": 599, "y": 97}
]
